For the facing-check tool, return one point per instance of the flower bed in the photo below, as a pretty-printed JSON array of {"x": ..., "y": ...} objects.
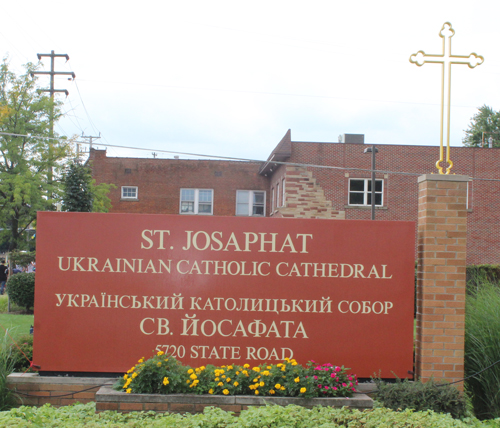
[{"x": 163, "y": 374}]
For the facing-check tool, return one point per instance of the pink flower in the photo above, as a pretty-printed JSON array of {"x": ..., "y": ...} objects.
[
  {"x": 337, "y": 369},
  {"x": 320, "y": 386},
  {"x": 344, "y": 384},
  {"x": 333, "y": 375},
  {"x": 334, "y": 388},
  {"x": 315, "y": 377},
  {"x": 326, "y": 387}
]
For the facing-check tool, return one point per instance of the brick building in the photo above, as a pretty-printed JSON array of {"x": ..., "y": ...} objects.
[{"x": 308, "y": 180}]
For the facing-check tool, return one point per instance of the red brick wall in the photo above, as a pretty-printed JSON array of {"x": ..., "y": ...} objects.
[{"x": 159, "y": 182}]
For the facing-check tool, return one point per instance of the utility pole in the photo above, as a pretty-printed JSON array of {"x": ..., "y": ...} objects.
[
  {"x": 90, "y": 137},
  {"x": 52, "y": 91}
]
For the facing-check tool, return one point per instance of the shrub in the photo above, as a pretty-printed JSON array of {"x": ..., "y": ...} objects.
[
  {"x": 21, "y": 289},
  {"x": 482, "y": 349},
  {"x": 418, "y": 396},
  {"x": 22, "y": 354}
]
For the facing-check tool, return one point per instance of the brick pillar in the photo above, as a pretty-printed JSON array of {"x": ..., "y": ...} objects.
[{"x": 442, "y": 231}]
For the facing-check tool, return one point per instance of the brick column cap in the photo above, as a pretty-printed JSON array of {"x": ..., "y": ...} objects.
[{"x": 442, "y": 177}]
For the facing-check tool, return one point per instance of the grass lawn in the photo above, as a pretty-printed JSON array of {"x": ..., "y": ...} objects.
[{"x": 16, "y": 323}]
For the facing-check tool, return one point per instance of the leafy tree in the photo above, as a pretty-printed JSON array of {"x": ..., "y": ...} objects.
[
  {"x": 80, "y": 192},
  {"x": 26, "y": 162},
  {"x": 485, "y": 120}
]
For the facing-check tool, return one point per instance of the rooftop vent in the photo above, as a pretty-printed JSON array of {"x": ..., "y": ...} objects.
[{"x": 353, "y": 139}]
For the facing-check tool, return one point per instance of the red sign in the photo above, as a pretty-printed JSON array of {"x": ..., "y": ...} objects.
[{"x": 111, "y": 288}]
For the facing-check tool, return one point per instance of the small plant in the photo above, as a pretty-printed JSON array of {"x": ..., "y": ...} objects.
[
  {"x": 21, "y": 289},
  {"x": 22, "y": 354},
  {"x": 7, "y": 397},
  {"x": 418, "y": 396}
]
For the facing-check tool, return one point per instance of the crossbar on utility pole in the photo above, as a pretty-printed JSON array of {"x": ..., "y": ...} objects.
[{"x": 52, "y": 91}]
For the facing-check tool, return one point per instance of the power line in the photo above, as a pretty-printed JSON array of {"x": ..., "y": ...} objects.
[{"x": 306, "y": 165}]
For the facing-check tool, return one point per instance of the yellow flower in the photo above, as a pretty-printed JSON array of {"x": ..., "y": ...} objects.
[
  {"x": 193, "y": 376},
  {"x": 294, "y": 363},
  {"x": 134, "y": 375},
  {"x": 246, "y": 366},
  {"x": 210, "y": 391},
  {"x": 252, "y": 386},
  {"x": 279, "y": 365},
  {"x": 265, "y": 373},
  {"x": 125, "y": 377},
  {"x": 271, "y": 392},
  {"x": 220, "y": 384},
  {"x": 230, "y": 367},
  {"x": 256, "y": 380},
  {"x": 190, "y": 371},
  {"x": 297, "y": 379},
  {"x": 166, "y": 360},
  {"x": 269, "y": 367},
  {"x": 282, "y": 388},
  {"x": 302, "y": 390},
  {"x": 237, "y": 373},
  {"x": 225, "y": 392},
  {"x": 283, "y": 368},
  {"x": 165, "y": 381},
  {"x": 141, "y": 360},
  {"x": 261, "y": 383},
  {"x": 228, "y": 380},
  {"x": 128, "y": 391},
  {"x": 277, "y": 386},
  {"x": 245, "y": 372},
  {"x": 188, "y": 381},
  {"x": 256, "y": 392},
  {"x": 256, "y": 369},
  {"x": 235, "y": 383},
  {"x": 217, "y": 379},
  {"x": 223, "y": 376},
  {"x": 158, "y": 363},
  {"x": 196, "y": 382},
  {"x": 160, "y": 353}
]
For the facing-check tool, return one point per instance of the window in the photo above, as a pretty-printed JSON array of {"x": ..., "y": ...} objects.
[
  {"x": 278, "y": 195},
  {"x": 196, "y": 201},
  {"x": 250, "y": 203},
  {"x": 360, "y": 191},
  {"x": 129, "y": 192},
  {"x": 272, "y": 200}
]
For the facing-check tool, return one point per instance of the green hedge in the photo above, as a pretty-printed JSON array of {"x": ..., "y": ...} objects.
[{"x": 79, "y": 415}]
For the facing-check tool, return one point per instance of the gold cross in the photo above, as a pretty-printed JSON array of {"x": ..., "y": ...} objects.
[{"x": 446, "y": 59}]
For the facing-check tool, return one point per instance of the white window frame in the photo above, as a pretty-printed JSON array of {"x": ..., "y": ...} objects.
[
  {"x": 283, "y": 198},
  {"x": 278, "y": 194},
  {"x": 125, "y": 189},
  {"x": 196, "y": 202},
  {"x": 251, "y": 194},
  {"x": 365, "y": 192}
]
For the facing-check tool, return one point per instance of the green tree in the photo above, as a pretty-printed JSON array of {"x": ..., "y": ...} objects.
[
  {"x": 26, "y": 162},
  {"x": 77, "y": 188},
  {"x": 485, "y": 120},
  {"x": 80, "y": 192}
]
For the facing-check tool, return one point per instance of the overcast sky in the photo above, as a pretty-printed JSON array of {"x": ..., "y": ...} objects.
[{"x": 229, "y": 78}]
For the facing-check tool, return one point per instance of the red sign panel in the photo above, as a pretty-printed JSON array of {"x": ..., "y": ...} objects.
[{"x": 111, "y": 288}]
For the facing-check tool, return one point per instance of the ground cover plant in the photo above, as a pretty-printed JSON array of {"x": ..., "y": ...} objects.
[
  {"x": 163, "y": 374},
  {"x": 80, "y": 415},
  {"x": 482, "y": 349}
]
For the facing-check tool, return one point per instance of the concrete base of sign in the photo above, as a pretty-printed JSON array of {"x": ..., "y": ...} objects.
[{"x": 108, "y": 399}]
